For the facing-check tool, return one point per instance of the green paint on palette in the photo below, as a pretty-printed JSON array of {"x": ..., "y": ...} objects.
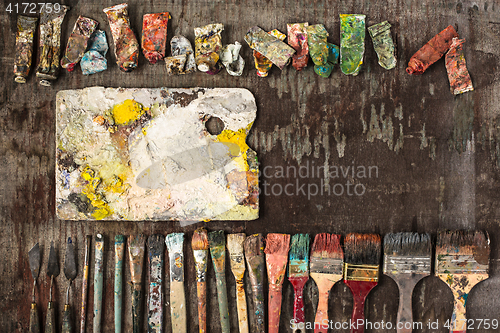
[{"x": 352, "y": 43}]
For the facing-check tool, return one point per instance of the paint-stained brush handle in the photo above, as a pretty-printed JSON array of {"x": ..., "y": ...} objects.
[
  {"x": 405, "y": 315},
  {"x": 136, "y": 307},
  {"x": 223, "y": 307},
  {"x": 98, "y": 282},
  {"x": 298, "y": 302},
  {"x": 66, "y": 320},
  {"x": 359, "y": 289},
  {"x": 50, "y": 323},
  {"x": 259, "y": 308},
  {"x": 34, "y": 320},
  {"x": 241, "y": 303},
  {"x": 322, "y": 310},
  {"x": 85, "y": 282},
  {"x": 178, "y": 307},
  {"x": 274, "y": 306},
  {"x": 201, "y": 288},
  {"x": 119, "y": 254}
]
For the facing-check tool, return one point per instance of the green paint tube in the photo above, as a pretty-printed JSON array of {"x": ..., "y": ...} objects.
[
  {"x": 352, "y": 43},
  {"x": 383, "y": 44}
]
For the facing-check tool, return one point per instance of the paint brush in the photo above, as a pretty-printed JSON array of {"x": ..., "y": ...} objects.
[
  {"x": 277, "y": 246},
  {"x": 119, "y": 253},
  {"x": 85, "y": 283},
  {"x": 254, "y": 255},
  {"x": 361, "y": 270},
  {"x": 217, "y": 246},
  {"x": 298, "y": 274},
  {"x": 136, "y": 245},
  {"x": 156, "y": 249},
  {"x": 462, "y": 261},
  {"x": 326, "y": 269},
  {"x": 199, "y": 243},
  {"x": 98, "y": 278},
  {"x": 237, "y": 261},
  {"x": 174, "y": 243},
  {"x": 407, "y": 260}
]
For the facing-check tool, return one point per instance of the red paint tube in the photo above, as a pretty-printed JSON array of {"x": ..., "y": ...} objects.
[
  {"x": 297, "y": 38},
  {"x": 431, "y": 52},
  {"x": 77, "y": 42},
  {"x": 126, "y": 45},
  {"x": 456, "y": 67},
  {"x": 154, "y": 36},
  {"x": 24, "y": 47}
]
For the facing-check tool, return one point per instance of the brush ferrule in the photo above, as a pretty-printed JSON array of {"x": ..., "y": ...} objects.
[
  {"x": 459, "y": 264},
  {"x": 361, "y": 272},
  {"x": 298, "y": 268},
  {"x": 326, "y": 265},
  {"x": 200, "y": 260},
  {"x": 407, "y": 264}
]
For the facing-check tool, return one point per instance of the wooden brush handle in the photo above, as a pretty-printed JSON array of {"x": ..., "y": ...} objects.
[
  {"x": 298, "y": 284},
  {"x": 136, "y": 307},
  {"x": 34, "y": 321},
  {"x": 50, "y": 323},
  {"x": 405, "y": 314},
  {"x": 241, "y": 303},
  {"x": 178, "y": 306},
  {"x": 223, "y": 307},
  {"x": 360, "y": 290},
  {"x": 322, "y": 310},
  {"x": 66, "y": 321},
  {"x": 274, "y": 307},
  {"x": 201, "y": 287},
  {"x": 461, "y": 286}
]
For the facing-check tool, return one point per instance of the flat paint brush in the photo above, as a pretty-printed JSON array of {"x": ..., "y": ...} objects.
[
  {"x": 462, "y": 261},
  {"x": 98, "y": 282},
  {"x": 175, "y": 243},
  {"x": 361, "y": 271},
  {"x": 199, "y": 244},
  {"x": 254, "y": 255},
  {"x": 156, "y": 250},
  {"x": 277, "y": 246},
  {"x": 119, "y": 254},
  {"x": 407, "y": 260},
  {"x": 136, "y": 249},
  {"x": 237, "y": 261},
  {"x": 85, "y": 283},
  {"x": 327, "y": 259},
  {"x": 298, "y": 275},
  {"x": 217, "y": 245}
]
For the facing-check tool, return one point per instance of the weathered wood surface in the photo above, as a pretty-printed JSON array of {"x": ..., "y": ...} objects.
[{"x": 411, "y": 127}]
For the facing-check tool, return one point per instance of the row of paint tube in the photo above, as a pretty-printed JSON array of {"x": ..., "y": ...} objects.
[{"x": 88, "y": 45}]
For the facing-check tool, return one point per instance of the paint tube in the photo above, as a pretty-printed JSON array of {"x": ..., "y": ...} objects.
[
  {"x": 263, "y": 64},
  {"x": 431, "y": 52},
  {"x": 77, "y": 42},
  {"x": 50, "y": 45},
  {"x": 332, "y": 58},
  {"x": 94, "y": 60},
  {"x": 278, "y": 52},
  {"x": 318, "y": 48},
  {"x": 456, "y": 67},
  {"x": 352, "y": 43},
  {"x": 208, "y": 45},
  {"x": 182, "y": 59},
  {"x": 297, "y": 38},
  {"x": 126, "y": 45},
  {"x": 231, "y": 59},
  {"x": 26, "y": 27},
  {"x": 383, "y": 44},
  {"x": 154, "y": 36}
]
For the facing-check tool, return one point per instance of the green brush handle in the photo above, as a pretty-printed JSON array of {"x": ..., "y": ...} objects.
[
  {"x": 66, "y": 321},
  {"x": 34, "y": 321},
  {"x": 222, "y": 297},
  {"x": 50, "y": 323}
]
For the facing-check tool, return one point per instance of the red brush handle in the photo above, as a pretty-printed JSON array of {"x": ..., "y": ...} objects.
[
  {"x": 274, "y": 308},
  {"x": 298, "y": 284},
  {"x": 360, "y": 290}
]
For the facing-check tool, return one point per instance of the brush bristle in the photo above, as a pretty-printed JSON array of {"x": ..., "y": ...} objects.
[
  {"x": 462, "y": 242},
  {"x": 277, "y": 244},
  {"x": 174, "y": 242},
  {"x": 299, "y": 250},
  {"x": 407, "y": 244},
  {"x": 156, "y": 244},
  {"x": 327, "y": 246},
  {"x": 362, "y": 249},
  {"x": 254, "y": 245},
  {"x": 235, "y": 243},
  {"x": 216, "y": 238},
  {"x": 200, "y": 239}
]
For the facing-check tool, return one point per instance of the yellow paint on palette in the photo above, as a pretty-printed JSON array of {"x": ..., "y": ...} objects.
[
  {"x": 237, "y": 138},
  {"x": 102, "y": 209},
  {"x": 127, "y": 112}
]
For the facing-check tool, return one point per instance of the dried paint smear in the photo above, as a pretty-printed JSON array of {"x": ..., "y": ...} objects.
[
  {"x": 352, "y": 43},
  {"x": 145, "y": 154},
  {"x": 456, "y": 67}
]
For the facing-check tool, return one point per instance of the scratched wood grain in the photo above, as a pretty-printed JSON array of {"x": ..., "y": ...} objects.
[{"x": 437, "y": 155}]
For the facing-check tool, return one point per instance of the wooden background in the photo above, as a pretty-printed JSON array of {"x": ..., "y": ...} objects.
[{"x": 437, "y": 155}]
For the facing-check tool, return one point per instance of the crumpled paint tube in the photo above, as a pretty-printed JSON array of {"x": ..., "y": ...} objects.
[
  {"x": 456, "y": 67},
  {"x": 231, "y": 59},
  {"x": 77, "y": 42},
  {"x": 431, "y": 52},
  {"x": 208, "y": 45},
  {"x": 352, "y": 43},
  {"x": 50, "y": 45},
  {"x": 94, "y": 60},
  {"x": 126, "y": 45},
  {"x": 323, "y": 54},
  {"x": 383, "y": 44},
  {"x": 182, "y": 59},
  {"x": 26, "y": 27},
  {"x": 262, "y": 64},
  {"x": 154, "y": 36},
  {"x": 269, "y": 46},
  {"x": 297, "y": 38},
  {"x": 332, "y": 58}
]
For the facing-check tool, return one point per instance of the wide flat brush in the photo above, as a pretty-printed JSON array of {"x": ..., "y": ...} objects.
[
  {"x": 175, "y": 243},
  {"x": 407, "y": 260},
  {"x": 156, "y": 250},
  {"x": 254, "y": 255},
  {"x": 237, "y": 260},
  {"x": 199, "y": 243},
  {"x": 327, "y": 258},
  {"x": 277, "y": 247},
  {"x": 462, "y": 261},
  {"x": 298, "y": 275},
  {"x": 217, "y": 245},
  {"x": 136, "y": 248},
  {"x": 361, "y": 271}
]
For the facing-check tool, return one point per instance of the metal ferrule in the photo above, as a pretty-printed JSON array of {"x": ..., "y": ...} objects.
[
  {"x": 328, "y": 266},
  {"x": 361, "y": 272},
  {"x": 407, "y": 264},
  {"x": 459, "y": 264},
  {"x": 298, "y": 268}
]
